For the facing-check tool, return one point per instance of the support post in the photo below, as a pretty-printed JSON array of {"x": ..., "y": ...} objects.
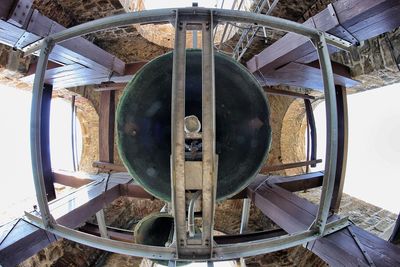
[
  {"x": 36, "y": 136},
  {"x": 341, "y": 103},
  {"x": 209, "y": 133},
  {"x": 106, "y": 126},
  {"x": 313, "y": 132},
  {"x": 178, "y": 135},
  {"x": 331, "y": 134},
  {"x": 101, "y": 221},
  {"x": 45, "y": 142}
]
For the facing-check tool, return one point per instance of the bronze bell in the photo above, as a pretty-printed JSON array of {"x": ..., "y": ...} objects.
[{"x": 243, "y": 132}]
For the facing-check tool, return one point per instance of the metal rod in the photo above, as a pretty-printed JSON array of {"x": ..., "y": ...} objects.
[
  {"x": 35, "y": 135},
  {"x": 331, "y": 133},
  {"x": 178, "y": 133},
  {"x": 73, "y": 148},
  {"x": 208, "y": 134},
  {"x": 101, "y": 221},
  {"x": 191, "y": 213},
  {"x": 245, "y": 215}
]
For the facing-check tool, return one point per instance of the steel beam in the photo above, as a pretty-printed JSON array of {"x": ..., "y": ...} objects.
[
  {"x": 341, "y": 102},
  {"x": 178, "y": 135},
  {"x": 209, "y": 172}
]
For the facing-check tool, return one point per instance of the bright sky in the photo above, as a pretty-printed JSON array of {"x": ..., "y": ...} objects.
[
  {"x": 374, "y": 146},
  {"x": 17, "y": 192},
  {"x": 155, "y": 4}
]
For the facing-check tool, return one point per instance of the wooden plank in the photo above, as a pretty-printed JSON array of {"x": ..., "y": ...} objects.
[
  {"x": 300, "y": 75},
  {"x": 290, "y": 165},
  {"x": 341, "y": 103},
  {"x": 299, "y": 182},
  {"x": 107, "y": 167},
  {"x": 45, "y": 142},
  {"x": 21, "y": 13},
  {"x": 69, "y": 179},
  {"x": 5, "y": 8},
  {"x": 294, "y": 214},
  {"x": 106, "y": 126}
]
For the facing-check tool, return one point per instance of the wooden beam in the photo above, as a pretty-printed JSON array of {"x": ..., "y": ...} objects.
[
  {"x": 5, "y": 8},
  {"x": 106, "y": 126},
  {"x": 294, "y": 214},
  {"x": 24, "y": 240},
  {"x": 341, "y": 102},
  {"x": 107, "y": 167},
  {"x": 70, "y": 179},
  {"x": 45, "y": 142},
  {"x": 290, "y": 165},
  {"x": 298, "y": 182},
  {"x": 301, "y": 75}
]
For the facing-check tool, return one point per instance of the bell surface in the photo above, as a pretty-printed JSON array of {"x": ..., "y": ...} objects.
[{"x": 243, "y": 132}]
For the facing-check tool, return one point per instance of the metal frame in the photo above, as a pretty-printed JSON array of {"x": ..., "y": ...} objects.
[{"x": 222, "y": 252}]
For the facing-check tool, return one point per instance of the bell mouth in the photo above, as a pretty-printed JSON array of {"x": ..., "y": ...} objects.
[{"x": 243, "y": 132}]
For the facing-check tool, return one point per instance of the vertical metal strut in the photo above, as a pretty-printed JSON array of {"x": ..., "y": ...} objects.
[
  {"x": 208, "y": 121},
  {"x": 178, "y": 134}
]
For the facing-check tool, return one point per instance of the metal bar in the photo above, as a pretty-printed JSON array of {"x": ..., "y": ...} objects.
[
  {"x": 245, "y": 215},
  {"x": 191, "y": 213},
  {"x": 178, "y": 134},
  {"x": 36, "y": 155},
  {"x": 244, "y": 222},
  {"x": 361, "y": 247},
  {"x": 208, "y": 134},
  {"x": 45, "y": 141},
  {"x": 160, "y": 15},
  {"x": 73, "y": 132},
  {"x": 331, "y": 134},
  {"x": 272, "y": 91},
  {"x": 101, "y": 221},
  {"x": 312, "y": 130},
  {"x": 341, "y": 102}
]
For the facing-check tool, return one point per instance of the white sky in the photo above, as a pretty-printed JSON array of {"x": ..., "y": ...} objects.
[
  {"x": 373, "y": 161},
  {"x": 17, "y": 192}
]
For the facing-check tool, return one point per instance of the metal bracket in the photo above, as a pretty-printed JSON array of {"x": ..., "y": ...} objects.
[{"x": 348, "y": 35}]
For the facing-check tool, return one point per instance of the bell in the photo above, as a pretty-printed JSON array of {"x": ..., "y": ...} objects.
[
  {"x": 156, "y": 229},
  {"x": 243, "y": 132}
]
